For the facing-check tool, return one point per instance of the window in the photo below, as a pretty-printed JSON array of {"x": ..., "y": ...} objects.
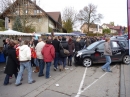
[
  {"x": 40, "y": 11},
  {"x": 26, "y": 11},
  {"x": 101, "y": 46},
  {"x": 115, "y": 44},
  {"x": 39, "y": 20},
  {"x": 91, "y": 46},
  {"x": 122, "y": 43},
  {"x": 35, "y": 11}
]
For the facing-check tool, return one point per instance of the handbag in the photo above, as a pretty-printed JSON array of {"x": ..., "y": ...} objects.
[{"x": 65, "y": 50}]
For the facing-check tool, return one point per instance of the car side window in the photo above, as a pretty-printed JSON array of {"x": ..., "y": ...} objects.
[
  {"x": 115, "y": 44},
  {"x": 122, "y": 43},
  {"x": 101, "y": 46}
]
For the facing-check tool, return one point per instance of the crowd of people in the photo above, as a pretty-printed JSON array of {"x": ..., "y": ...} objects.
[{"x": 41, "y": 52}]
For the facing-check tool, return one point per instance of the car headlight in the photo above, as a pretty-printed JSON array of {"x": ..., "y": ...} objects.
[{"x": 79, "y": 54}]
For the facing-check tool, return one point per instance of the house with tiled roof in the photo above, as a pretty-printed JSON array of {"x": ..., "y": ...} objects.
[
  {"x": 31, "y": 14},
  {"x": 114, "y": 29},
  {"x": 57, "y": 17},
  {"x": 94, "y": 28}
]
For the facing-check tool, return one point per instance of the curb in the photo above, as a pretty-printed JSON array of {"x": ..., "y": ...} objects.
[{"x": 122, "y": 82}]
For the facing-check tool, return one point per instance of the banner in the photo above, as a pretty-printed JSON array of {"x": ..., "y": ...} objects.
[{"x": 128, "y": 17}]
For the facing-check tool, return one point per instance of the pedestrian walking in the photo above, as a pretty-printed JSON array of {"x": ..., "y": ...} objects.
[
  {"x": 12, "y": 63},
  {"x": 107, "y": 53},
  {"x": 25, "y": 62}
]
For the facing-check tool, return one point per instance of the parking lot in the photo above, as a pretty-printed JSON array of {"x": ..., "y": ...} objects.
[{"x": 73, "y": 82}]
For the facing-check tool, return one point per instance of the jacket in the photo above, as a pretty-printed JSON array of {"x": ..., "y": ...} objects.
[
  {"x": 77, "y": 46},
  {"x": 48, "y": 52},
  {"x": 71, "y": 47},
  {"x": 56, "y": 43},
  {"x": 107, "y": 49},
  {"x": 24, "y": 53},
  {"x": 33, "y": 53},
  {"x": 82, "y": 43},
  {"x": 63, "y": 45},
  {"x": 38, "y": 49},
  {"x": 12, "y": 62}
]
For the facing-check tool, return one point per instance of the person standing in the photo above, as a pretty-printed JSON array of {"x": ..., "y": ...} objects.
[
  {"x": 48, "y": 53},
  {"x": 71, "y": 47},
  {"x": 40, "y": 60},
  {"x": 12, "y": 63},
  {"x": 63, "y": 45},
  {"x": 56, "y": 43},
  {"x": 25, "y": 62},
  {"x": 107, "y": 53},
  {"x": 5, "y": 50}
]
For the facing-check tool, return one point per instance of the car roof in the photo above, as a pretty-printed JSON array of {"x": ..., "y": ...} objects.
[{"x": 118, "y": 38}]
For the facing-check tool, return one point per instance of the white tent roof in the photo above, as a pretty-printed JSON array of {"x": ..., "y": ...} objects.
[{"x": 12, "y": 32}]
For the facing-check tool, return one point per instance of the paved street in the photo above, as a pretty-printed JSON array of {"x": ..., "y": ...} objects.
[{"x": 73, "y": 82}]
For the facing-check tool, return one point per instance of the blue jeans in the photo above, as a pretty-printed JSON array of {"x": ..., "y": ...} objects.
[
  {"x": 70, "y": 57},
  {"x": 48, "y": 65},
  {"x": 24, "y": 65},
  {"x": 63, "y": 61},
  {"x": 6, "y": 59},
  {"x": 41, "y": 66},
  {"x": 36, "y": 62},
  {"x": 6, "y": 81},
  {"x": 56, "y": 60},
  {"x": 108, "y": 62}
]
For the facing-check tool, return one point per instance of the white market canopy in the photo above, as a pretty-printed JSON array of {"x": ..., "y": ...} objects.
[{"x": 12, "y": 32}]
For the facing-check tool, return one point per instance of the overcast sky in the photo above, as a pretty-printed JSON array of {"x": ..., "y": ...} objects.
[{"x": 112, "y": 10}]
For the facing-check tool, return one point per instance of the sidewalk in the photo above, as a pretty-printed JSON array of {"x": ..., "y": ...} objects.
[{"x": 125, "y": 81}]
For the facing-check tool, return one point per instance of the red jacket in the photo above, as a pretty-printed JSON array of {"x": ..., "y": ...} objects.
[
  {"x": 48, "y": 53},
  {"x": 33, "y": 53}
]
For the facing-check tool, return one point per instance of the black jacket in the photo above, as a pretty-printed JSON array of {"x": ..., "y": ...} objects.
[
  {"x": 63, "y": 45},
  {"x": 82, "y": 43},
  {"x": 12, "y": 62},
  {"x": 77, "y": 46},
  {"x": 56, "y": 43}
]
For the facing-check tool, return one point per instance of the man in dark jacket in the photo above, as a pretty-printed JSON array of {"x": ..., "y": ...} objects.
[
  {"x": 56, "y": 43},
  {"x": 82, "y": 43}
]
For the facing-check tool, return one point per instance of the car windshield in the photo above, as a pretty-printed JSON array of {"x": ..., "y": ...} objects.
[{"x": 92, "y": 45}]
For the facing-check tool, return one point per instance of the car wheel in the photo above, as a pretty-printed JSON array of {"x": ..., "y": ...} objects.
[
  {"x": 87, "y": 62},
  {"x": 126, "y": 59}
]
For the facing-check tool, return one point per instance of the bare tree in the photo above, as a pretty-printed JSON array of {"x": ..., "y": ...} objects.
[
  {"x": 69, "y": 15},
  {"x": 89, "y": 15}
]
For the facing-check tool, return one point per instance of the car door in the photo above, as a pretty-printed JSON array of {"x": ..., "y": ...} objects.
[
  {"x": 99, "y": 53},
  {"x": 117, "y": 51}
]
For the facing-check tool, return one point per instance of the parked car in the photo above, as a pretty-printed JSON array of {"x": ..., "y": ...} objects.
[{"x": 94, "y": 53}]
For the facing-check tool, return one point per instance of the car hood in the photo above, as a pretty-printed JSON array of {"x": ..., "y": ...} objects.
[{"x": 83, "y": 51}]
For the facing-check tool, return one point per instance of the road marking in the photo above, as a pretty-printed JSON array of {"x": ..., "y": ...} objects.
[{"x": 81, "y": 84}]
